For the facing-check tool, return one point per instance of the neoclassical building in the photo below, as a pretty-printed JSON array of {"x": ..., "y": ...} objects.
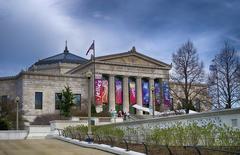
[{"x": 126, "y": 79}]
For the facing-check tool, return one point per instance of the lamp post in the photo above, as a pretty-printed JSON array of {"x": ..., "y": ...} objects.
[
  {"x": 214, "y": 68},
  {"x": 89, "y": 75},
  {"x": 17, "y": 99}
]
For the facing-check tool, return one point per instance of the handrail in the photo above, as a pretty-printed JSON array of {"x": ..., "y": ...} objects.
[{"x": 128, "y": 140}]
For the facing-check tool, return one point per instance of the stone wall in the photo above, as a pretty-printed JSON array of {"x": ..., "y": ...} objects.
[
  {"x": 134, "y": 71},
  {"x": 199, "y": 95},
  {"x": 49, "y": 85},
  {"x": 56, "y": 68},
  {"x": 8, "y": 87},
  {"x": 13, "y": 134},
  {"x": 229, "y": 117}
]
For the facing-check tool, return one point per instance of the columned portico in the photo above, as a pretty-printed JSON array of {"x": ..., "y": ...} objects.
[
  {"x": 139, "y": 94},
  {"x": 111, "y": 93},
  {"x": 125, "y": 94}
]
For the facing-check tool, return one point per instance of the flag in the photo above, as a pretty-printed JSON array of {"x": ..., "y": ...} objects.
[{"x": 92, "y": 47}]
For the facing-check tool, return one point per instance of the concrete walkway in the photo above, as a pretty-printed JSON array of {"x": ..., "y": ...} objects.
[{"x": 44, "y": 147}]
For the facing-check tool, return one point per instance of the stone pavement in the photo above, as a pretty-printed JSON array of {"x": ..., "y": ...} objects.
[{"x": 44, "y": 147}]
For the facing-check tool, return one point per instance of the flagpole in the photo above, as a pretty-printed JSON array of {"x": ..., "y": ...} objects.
[
  {"x": 94, "y": 72},
  {"x": 90, "y": 137}
]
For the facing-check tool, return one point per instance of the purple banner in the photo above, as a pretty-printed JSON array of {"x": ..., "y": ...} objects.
[
  {"x": 145, "y": 92},
  {"x": 166, "y": 94},
  {"x": 157, "y": 93},
  {"x": 118, "y": 91}
]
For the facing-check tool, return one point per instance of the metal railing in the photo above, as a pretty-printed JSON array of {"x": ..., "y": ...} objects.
[{"x": 133, "y": 143}]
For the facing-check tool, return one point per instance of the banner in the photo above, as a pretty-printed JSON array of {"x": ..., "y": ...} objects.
[
  {"x": 157, "y": 93},
  {"x": 166, "y": 94},
  {"x": 145, "y": 92},
  {"x": 118, "y": 91},
  {"x": 98, "y": 91},
  {"x": 132, "y": 89},
  {"x": 105, "y": 91}
]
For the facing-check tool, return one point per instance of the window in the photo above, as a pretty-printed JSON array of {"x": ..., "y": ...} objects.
[
  {"x": 77, "y": 100},
  {"x": 4, "y": 99},
  {"x": 58, "y": 97},
  {"x": 38, "y": 100}
]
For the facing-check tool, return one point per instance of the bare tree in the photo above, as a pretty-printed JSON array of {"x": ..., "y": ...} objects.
[
  {"x": 224, "y": 78},
  {"x": 187, "y": 72}
]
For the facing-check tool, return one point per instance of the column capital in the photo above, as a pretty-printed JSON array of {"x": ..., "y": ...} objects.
[
  {"x": 139, "y": 77},
  {"x": 111, "y": 75},
  {"x": 151, "y": 78}
]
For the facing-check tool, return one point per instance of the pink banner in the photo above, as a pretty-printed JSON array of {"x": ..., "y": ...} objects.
[
  {"x": 118, "y": 91},
  {"x": 98, "y": 91},
  {"x": 132, "y": 89},
  {"x": 105, "y": 91}
]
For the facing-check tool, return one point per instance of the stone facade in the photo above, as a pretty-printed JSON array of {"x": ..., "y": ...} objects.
[
  {"x": 57, "y": 68},
  {"x": 199, "y": 96},
  {"x": 27, "y": 83},
  {"x": 50, "y": 75}
]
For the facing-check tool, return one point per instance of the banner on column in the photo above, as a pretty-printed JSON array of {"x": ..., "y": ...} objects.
[
  {"x": 98, "y": 91},
  {"x": 157, "y": 93},
  {"x": 132, "y": 89},
  {"x": 146, "y": 92},
  {"x": 166, "y": 94},
  {"x": 105, "y": 91},
  {"x": 118, "y": 91}
]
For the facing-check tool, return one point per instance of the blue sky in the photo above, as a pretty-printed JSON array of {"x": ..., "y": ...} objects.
[{"x": 35, "y": 29}]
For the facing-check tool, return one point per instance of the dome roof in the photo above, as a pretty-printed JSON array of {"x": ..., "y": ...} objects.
[{"x": 64, "y": 57}]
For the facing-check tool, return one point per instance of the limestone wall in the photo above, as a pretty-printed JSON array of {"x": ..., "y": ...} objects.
[
  {"x": 8, "y": 87},
  {"x": 136, "y": 71},
  {"x": 56, "y": 68},
  {"x": 49, "y": 85},
  {"x": 13, "y": 134},
  {"x": 229, "y": 117}
]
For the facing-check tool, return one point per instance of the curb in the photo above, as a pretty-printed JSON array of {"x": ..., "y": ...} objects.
[{"x": 103, "y": 147}]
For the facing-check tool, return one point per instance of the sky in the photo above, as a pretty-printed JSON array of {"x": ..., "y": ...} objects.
[{"x": 35, "y": 29}]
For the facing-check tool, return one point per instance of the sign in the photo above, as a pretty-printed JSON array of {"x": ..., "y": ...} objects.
[
  {"x": 105, "y": 91},
  {"x": 118, "y": 91},
  {"x": 157, "y": 93},
  {"x": 166, "y": 94},
  {"x": 98, "y": 91},
  {"x": 145, "y": 92},
  {"x": 132, "y": 89}
]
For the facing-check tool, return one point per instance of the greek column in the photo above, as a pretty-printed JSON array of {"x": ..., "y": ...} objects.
[
  {"x": 151, "y": 104},
  {"x": 111, "y": 93},
  {"x": 139, "y": 94},
  {"x": 125, "y": 94}
]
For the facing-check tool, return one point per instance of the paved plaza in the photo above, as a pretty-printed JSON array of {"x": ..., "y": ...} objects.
[{"x": 44, "y": 147}]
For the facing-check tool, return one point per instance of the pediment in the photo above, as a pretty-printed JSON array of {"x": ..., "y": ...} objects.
[
  {"x": 133, "y": 58},
  {"x": 130, "y": 58}
]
